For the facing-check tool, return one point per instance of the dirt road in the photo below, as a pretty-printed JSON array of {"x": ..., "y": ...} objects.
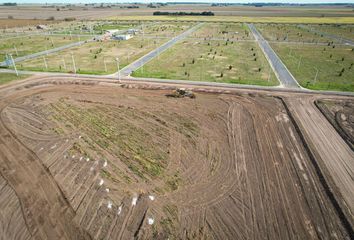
[{"x": 97, "y": 160}]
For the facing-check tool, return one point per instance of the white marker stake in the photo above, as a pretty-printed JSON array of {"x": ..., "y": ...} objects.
[
  {"x": 151, "y": 221},
  {"x": 109, "y": 205},
  {"x": 119, "y": 210},
  {"x": 101, "y": 182},
  {"x": 134, "y": 200},
  {"x": 105, "y": 164}
]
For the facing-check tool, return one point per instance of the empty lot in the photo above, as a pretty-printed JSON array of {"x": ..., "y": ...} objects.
[{"x": 139, "y": 164}]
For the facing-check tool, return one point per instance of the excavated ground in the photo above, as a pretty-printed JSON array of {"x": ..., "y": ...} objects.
[
  {"x": 340, "y": 113},
  {"x": 110, "y": 162}
]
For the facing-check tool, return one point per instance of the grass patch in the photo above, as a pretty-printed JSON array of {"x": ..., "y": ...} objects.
[
  {"x": 335, "y": 65},
  {"x": 94, "y": 57},
  {"x": 211, "y": 61},
  {"x": 9, "y": 77}
]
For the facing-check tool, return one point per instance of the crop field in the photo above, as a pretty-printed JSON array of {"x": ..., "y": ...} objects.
[
  {"x": 223, "y": 31},
  {"x": 212, "y": 61},
  {"x": 22, "y": 46},
  {"x": 97, "y": 57},
  {"x": 119, "y": 162},
  {"x": 334, "y": 65},
  {"x": 290, "y": 33}
]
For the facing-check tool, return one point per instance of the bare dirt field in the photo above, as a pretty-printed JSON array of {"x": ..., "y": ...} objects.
[
  {"x": 341, "y": 115},
  {"x": 110, "y": 161}
]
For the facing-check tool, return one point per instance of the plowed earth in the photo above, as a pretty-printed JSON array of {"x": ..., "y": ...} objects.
[{"x": 110, "y": 162}]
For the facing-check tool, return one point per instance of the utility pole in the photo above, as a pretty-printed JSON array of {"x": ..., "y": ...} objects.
[
  {"x": 45, "y": 63},
  {"x": 314, "y": 80},
  {"x": 13, "y": 64},
  {"x": 105, "y": 65},
  {"x": 298, "y": 65},
  {"x": 72, "y": 57},
  {"x": 117, "y": 60},
  {"x": 64, "y": 64},
  {"x": 16, "y": 50}
]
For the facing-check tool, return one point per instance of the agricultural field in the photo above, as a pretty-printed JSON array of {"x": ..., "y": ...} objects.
[
  {"x": 290, "y": 33},
  {"x": 223, "y": 31},
  {"x": 97, "y": 57},
  {"x": 334, "y": 64},
  {"x": 9, "y": 77},
  {"x": 211, "y": 61},
  {"x": 22, "y": 46},
  {"x": 125, "y": 162},
  {"x": 340, "y": 30}
]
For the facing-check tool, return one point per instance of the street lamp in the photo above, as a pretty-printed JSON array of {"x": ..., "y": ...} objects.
[
  {"x": 117, "y": 60},
  {"x": 314, "y": 80}
]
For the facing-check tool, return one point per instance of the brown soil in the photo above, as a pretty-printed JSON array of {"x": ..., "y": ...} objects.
[
  {"x": 103, "y": 162},
  {"x": 341, "y": 115}
]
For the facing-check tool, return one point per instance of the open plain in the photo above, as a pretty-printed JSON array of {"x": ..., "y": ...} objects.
[{"x": 103, "y": 160}]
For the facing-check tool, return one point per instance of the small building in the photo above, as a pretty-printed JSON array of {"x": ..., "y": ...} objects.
[
  {"x": 122, "y": 37},
  {"x": 41, "y": 26},
  {"x": 133, "y": 31},
  {"x": 111, "y": 32}
]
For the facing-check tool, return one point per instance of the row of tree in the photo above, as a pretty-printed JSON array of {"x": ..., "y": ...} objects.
[{"x": 158, "y": 13}]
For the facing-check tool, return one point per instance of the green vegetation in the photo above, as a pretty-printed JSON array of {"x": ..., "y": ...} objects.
[
  {"x": 289, "y": 33},
  {"x": 234, "y": 31},
  {"x": 114, "y": 129},
  {"x": 8, "y": 77},
  {"x": 212, "y": 61},
  {"x": 94, "y": 57},
  {"x": 340, "y": 30},
  {"x": 334, "y": 65},
  {"x": 22, "y": 46}
]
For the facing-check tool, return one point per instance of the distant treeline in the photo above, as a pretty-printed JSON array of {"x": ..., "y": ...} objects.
[
  {"x": 184, "y": 13},
  {"x": 9, "y": 4}
]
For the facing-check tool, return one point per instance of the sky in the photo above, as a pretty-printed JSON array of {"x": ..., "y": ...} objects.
[{"x": 147, "y": 1}]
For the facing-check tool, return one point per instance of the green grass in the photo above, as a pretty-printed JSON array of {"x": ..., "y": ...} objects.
[
  {"x": 236, "y": 31},
  {"x": 290, "y": 33},
  {"x": 211, "y": 59},
  {"x": 345, "y": 31},
  {"x": 316, "y": 56},
  {"x": 90, "y": 58},
  {"x": 31, "y": 44},
  {"x": 9, "y": 77}
]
